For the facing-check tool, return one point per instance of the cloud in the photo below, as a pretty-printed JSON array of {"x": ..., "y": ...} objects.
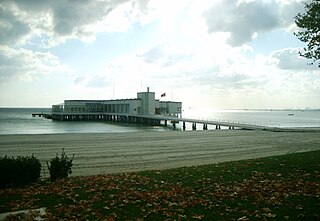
[
  {"x": 30, "y": 28},
  {"x": 73, "y": 16},
  {"x": 12, "y": 29},
  {"x": 79, "y": 80},
  {"x": 289, "y": 59},
  {"x": 60, "y": 20},
  {"x": 243, "y": 20},
  {"x": 236, "y": 81},
  {"x": 164, "y": 55},
  {"x": 209, "y": 70},
  {"x": 99, "y": 82},
  {"x": 174, "y": 68},
  {"x": 23, "y": 64}
]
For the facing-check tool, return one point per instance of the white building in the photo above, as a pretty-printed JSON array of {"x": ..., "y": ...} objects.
[{"x": 145, "y": 104}]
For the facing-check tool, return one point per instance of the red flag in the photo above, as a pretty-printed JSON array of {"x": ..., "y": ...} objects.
[{"x": 163, "y": 95}]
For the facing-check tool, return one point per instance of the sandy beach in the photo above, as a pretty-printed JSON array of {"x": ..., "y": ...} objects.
[{"x": 126, "y": 152}]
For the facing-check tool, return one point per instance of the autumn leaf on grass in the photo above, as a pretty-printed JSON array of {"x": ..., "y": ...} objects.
[
  {"x": 198, "y": 216},
  {"x": 244, "y": 218},
  {"x": 269, "y": 215}
]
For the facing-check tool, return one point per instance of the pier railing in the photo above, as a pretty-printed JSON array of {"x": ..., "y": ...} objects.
[{"x": 228, "y": 122}]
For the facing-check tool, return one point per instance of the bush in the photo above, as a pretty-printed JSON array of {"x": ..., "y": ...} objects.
[
  {"x": 60, "y": 167},
  {"x": 19, "y": 171}
]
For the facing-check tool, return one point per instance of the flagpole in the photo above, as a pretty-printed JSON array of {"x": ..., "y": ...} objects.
[{"x": 165, "y": 98}]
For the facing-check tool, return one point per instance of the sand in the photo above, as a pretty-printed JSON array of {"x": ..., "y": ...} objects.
[{"x": 126, "y": 152}]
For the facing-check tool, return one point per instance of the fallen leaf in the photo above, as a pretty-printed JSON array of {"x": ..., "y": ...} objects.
[
  {"x": 197, "y": 216},
  {"x": 244, "y": 218}
]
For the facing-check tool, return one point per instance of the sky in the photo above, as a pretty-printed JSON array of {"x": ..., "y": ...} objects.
[{"x": 217, "y": 54}]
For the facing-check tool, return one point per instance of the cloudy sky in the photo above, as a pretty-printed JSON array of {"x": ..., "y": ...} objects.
[{"x": 212, "y": 54}]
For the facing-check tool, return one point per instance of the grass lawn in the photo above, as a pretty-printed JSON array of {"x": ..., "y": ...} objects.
[{"x": 274, "y": 188}]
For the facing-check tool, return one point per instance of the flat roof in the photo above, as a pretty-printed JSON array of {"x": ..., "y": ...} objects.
[
  {"x": 104, "y": 100},
  {"x": 170, "y": 102}
]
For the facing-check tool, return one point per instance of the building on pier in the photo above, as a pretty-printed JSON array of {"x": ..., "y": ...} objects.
[{"x": 144, "y": 105}]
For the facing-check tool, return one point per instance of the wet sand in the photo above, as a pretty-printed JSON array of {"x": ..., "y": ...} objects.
[{"x": 126, "y": 152}]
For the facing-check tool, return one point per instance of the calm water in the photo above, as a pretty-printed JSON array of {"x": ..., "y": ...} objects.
[{"x": 20, "y": 121}]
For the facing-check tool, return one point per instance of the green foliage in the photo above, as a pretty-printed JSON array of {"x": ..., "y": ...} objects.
[
  {"x": 19, "y": 171},
  {"x": 309, "y": 22},
  {"x": 60, "y": 167}
]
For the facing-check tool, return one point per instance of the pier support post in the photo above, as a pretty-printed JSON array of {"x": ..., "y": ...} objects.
[
  {"x": 205, "y": 126},
  {"x": 184, "y": 125},
  {"x": 174, "y": 125},
  {"x": 165, "y": 123},
  {"x": 194, "y": 126}
]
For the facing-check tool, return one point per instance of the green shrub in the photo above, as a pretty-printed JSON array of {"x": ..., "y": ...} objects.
[
  {"x": 19, "y": 171},
  {"x": 60, "y": 167}
]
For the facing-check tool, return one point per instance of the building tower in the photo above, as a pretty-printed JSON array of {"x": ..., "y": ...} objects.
[{"x": 147, "y": 102}]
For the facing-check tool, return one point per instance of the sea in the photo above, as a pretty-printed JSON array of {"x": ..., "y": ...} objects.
[{"x": 21, "y": 121}]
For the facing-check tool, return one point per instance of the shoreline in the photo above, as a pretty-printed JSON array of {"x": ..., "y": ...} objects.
[
  {"x": 166, "y": 129},
  {"x": 103, "y": 153}
]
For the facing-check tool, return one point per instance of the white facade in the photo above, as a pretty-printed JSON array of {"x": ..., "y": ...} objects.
[
  {"x": 144, "y": 104},
  {"x": 170, "y": 108}
]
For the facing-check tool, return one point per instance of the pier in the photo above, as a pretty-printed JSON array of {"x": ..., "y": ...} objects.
[
  {"x": 45, "y": 115},
  {"x": 215, "y": 124},
  {"x": 157, "y": 120},
  {"x": 144, "y": 109},
  {"x": 37, "y": 115},
  {"x": 166, "y": 121},
  {"x": 111, "y": 117}
]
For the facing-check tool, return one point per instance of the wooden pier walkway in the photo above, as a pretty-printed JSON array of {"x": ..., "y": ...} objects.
[
  {"x": 218, "y": 124},
  {"x": 164, "y": 120},
  {"x": 233, "y": 125}
]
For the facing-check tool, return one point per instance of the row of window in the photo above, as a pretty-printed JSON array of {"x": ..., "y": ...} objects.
[
  {"x": 106, "y": 108},
  {"x": 109, "y": 108}
]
